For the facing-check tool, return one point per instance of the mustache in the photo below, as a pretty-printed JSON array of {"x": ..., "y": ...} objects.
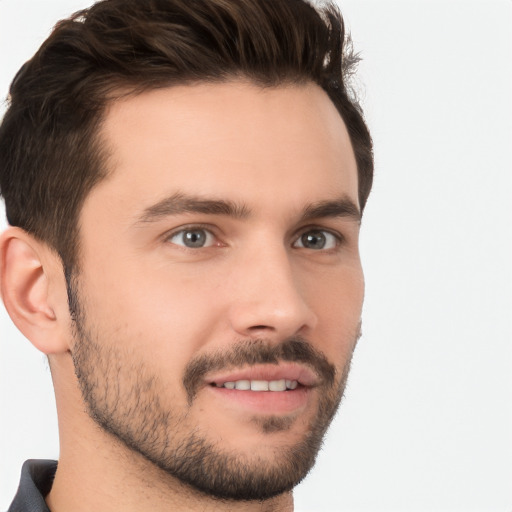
[{"x": 259, "y": 351}]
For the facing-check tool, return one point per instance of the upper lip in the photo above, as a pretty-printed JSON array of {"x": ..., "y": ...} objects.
[{"x": 304, "y": 375}]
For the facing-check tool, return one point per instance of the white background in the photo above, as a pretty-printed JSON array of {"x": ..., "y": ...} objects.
[{"x": 427, "y": 421}]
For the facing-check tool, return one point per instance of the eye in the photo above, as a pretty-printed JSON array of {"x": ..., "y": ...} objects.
[
  {"x": 193, "y": 238},
  {"x": 317, "y": 239}
]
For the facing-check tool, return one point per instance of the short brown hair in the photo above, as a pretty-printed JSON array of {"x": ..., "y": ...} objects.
[{"x": 50, "y": 152}]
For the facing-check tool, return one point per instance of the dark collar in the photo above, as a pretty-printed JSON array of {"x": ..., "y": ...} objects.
[{"x": 35, "y": 483}]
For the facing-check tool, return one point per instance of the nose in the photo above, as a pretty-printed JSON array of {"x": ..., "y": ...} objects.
[{"x": 267, "y": 297}]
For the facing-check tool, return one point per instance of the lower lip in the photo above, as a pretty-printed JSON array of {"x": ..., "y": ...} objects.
[{"x": 265, "y": 402}]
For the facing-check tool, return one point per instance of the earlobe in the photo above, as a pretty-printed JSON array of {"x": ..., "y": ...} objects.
[{"x": 26, "y": 271}]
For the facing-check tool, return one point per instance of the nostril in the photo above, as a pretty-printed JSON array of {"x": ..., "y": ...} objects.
[{"x": 255, "y": 328}]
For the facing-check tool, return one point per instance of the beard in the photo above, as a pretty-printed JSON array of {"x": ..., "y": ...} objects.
[{"x": 124, "y": 397}]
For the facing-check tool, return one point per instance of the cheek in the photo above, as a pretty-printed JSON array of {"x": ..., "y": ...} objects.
[
  {"x": 335, "y": 293},
  {"x": 338, "y": 305},
  {"x": 165, "y": 317}
]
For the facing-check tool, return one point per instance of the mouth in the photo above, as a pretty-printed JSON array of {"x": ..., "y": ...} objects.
[
  {"x": 267, "y": 389},
  {"x": 259, "y": 385},
  {"x": 274, "y": 377}
]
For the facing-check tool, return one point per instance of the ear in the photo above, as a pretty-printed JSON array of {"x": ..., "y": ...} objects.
[{"x": 33, "y": 289}]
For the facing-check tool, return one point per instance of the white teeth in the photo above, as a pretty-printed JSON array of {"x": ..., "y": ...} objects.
[
  {"x": 260, "y": 385},
  {"x": 291, "y": 384},
  {"x": 243, "y": 385},
  {"x": 277, "y": 385}
]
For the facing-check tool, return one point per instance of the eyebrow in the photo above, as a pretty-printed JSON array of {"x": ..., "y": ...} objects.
[
  {"x": 180, "y": 203},
  {"x": 342, "y": 207}
]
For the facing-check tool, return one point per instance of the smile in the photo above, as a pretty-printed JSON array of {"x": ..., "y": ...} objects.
[
  {"x": 284, "y": 388},
  {"x": 259, "y": 385},
  {"x": 285, "y": 376}
]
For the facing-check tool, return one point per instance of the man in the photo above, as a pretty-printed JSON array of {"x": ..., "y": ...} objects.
[{"x": 184, "y": 183}]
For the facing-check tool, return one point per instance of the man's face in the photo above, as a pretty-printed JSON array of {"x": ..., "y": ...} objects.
[{"x": 221, "y": 252}]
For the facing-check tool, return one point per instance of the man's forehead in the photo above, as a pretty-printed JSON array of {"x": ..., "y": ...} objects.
[
  {"x": 231, "y": 142},
  {"x": 236, "y": 100}
]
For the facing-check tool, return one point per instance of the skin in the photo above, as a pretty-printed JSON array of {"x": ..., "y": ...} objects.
[{"x": 157, "y": 305}]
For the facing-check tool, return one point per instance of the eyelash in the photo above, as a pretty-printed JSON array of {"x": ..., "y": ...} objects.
[{"x": 338, "y": 237}]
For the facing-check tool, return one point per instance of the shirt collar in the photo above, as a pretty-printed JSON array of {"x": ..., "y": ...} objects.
[{"x": 35, "y": 483}]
